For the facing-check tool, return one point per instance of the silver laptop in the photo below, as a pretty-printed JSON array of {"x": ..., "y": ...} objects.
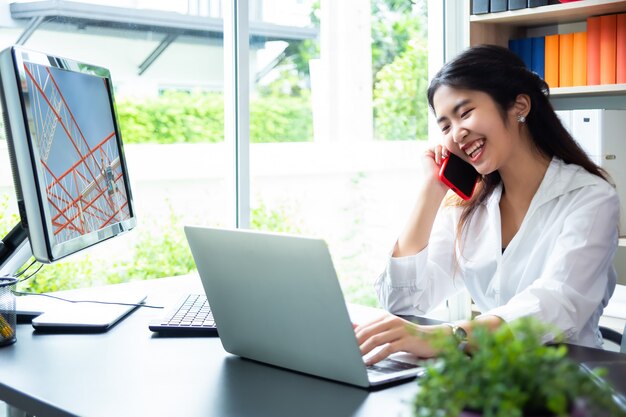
[{"x": 276, "y": 299}]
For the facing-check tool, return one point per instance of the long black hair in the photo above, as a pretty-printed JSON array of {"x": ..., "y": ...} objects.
[{"x": 502, "y": 75}]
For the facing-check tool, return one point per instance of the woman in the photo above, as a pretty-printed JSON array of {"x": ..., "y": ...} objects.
[{"x": 537, "y": 238}]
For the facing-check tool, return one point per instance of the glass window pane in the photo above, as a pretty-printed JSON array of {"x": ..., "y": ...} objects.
[
  {"x": 337, "y": 123},
  {"x": 168, "y": 82}
]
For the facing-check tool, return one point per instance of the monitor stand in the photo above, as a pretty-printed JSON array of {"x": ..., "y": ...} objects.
[{"x": 52, "y": 315}]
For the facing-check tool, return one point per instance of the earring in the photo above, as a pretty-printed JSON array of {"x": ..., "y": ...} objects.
[{"x": 521, "y": 118}]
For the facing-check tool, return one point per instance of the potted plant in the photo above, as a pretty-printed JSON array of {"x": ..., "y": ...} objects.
[{"x": 509, "y": 372}]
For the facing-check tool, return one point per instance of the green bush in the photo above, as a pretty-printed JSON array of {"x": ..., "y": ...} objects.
[
  {"x": 401, "y": 108},
  {"x": 172, "y": 118},
  {"x": 155, "y": 255},
  {"x": 272, "y": 220},
  {"x": 176, "y": 117},
  {"x": 281, "y": 119},
  {"x": 8, "y": 215}
]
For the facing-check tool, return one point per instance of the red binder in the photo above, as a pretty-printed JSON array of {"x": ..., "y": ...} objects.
[
  {"x": 608, "y": 48},
  {"x": 566, "y": 62},
  {"x": 552, "y": 61},
  {"x": 593, "y": 50},
  {"x": 579, "y": 59},
  {"x": 621, "y": 49}
]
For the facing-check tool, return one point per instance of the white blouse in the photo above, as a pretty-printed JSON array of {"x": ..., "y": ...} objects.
[{"x": 557, "y": 268}]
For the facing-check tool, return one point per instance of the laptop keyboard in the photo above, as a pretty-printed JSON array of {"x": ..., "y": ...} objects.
[
  {"x": 191, "y": 315},
  {"x": 388, "y": 366}
]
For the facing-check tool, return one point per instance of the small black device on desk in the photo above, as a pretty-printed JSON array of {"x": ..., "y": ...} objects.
[{"x": 190, "y": 316}]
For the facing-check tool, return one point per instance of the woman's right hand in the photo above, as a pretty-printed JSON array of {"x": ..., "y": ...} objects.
[
  {"x": 431, "y": 163},
  {"x": 390, "y": 334}
]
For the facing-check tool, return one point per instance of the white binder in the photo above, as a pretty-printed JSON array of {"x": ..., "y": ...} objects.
[
  {"x": 602, "y": 134},
  {"x": 566, "y": 118}
]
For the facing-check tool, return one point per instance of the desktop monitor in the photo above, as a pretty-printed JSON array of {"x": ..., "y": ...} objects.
[{"x": 66, "y": 152}]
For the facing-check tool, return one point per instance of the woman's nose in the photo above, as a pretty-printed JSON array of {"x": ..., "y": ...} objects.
[{"x": 459, "y": 133}]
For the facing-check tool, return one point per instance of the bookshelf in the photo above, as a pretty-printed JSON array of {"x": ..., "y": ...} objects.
[
  {"x": 551, "y": 14},
  {"x": 589, "y": 90},
  {"x": 498, "y": 28}
]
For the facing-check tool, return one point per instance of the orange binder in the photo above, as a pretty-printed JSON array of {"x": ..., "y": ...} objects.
[
  {"x": 593, "y": 50},
  {"x": 566, "y": 62},
  {"x": 552, "y": 61},
  {"x": 579, "y": 59},
  {"x": 620, "y": 63},
  {"x": 608, "y": 46}
]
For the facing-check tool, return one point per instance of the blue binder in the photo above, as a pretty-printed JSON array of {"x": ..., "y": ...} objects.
[
  {"x": 514, "y": 45},
  {"x": 538, "y": 58},
  {"x": 532, "y": 51}
]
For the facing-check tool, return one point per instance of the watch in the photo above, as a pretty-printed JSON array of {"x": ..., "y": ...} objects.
[{"x": 459, "y": 333}]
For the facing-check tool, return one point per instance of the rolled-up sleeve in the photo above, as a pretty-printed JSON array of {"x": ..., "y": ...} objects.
[{"x": 413, "y": 285}]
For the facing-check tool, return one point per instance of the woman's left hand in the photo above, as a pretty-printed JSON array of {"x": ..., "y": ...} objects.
[{"x": 394, "y": 334}]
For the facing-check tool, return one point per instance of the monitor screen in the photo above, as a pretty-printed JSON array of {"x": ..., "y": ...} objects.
[{"x": 66, "y": 152}]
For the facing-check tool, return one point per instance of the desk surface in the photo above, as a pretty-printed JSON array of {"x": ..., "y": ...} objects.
[{"x": 131, "y": 371}]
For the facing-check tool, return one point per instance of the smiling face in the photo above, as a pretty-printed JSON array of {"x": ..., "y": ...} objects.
[{"x": 474, "y": 129}]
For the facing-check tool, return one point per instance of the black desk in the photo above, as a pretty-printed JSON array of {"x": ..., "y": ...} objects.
[{"x": 129, "y": 371}]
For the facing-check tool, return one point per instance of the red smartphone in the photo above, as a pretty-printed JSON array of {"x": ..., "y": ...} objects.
[{"x": 459, "y": 175}]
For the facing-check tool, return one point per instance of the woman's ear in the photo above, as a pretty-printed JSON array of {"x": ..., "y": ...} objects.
[{"x": 521, "y": 107}]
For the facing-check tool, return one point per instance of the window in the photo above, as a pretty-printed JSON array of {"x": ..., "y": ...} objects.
[
  {"x": 336, "y": 118},
  {"x": 169, "y": 92},
  {"x": 336, "y": 125}
]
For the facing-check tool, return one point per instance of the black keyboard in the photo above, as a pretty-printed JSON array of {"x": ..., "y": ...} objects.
[{"x": 190, "y": 316}]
